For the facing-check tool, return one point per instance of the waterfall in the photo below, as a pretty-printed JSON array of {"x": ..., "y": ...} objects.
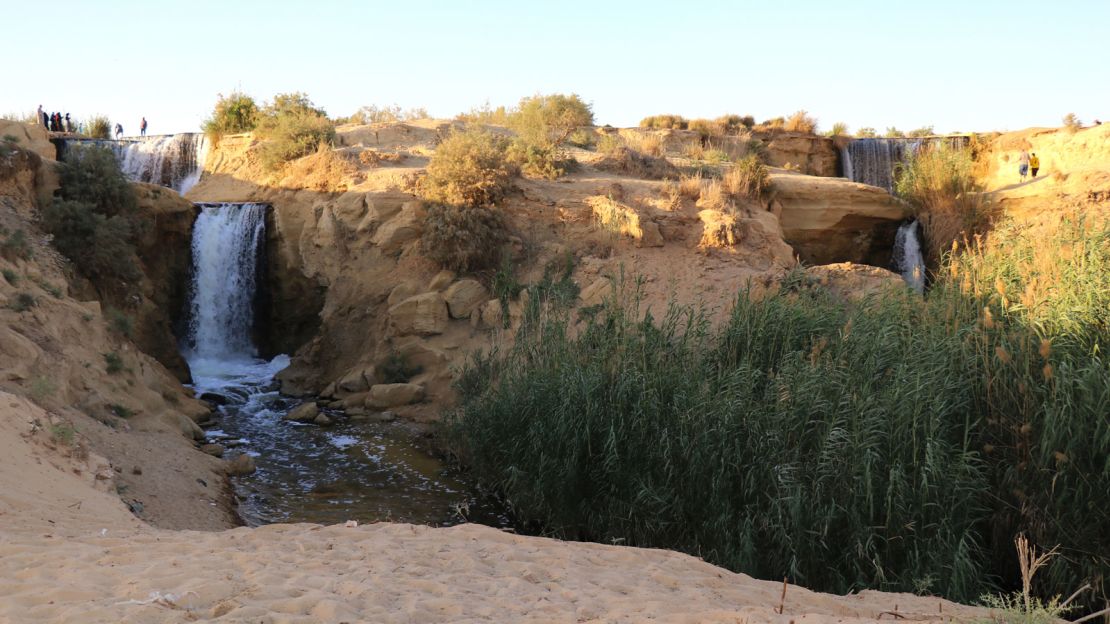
[
  {"x": 171, "y": 160},
  {"x": 226, "y": 239},
  {"x": 907, "y": 258},
  {"x": 876, "y": 161}
]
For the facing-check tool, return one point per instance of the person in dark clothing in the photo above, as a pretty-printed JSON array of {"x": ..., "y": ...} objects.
[
  {"x": 54, "y": 122},
  {"x": 45, "y": 120},
  {"x": 119, "y": 131},
  {"x": 68, "y": 125},
  {"x": 142, "y": 127}
]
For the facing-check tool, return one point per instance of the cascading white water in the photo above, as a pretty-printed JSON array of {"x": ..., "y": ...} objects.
[
  {"x": 226, "y": 239},
  {"x": 172, "y": 160},
  {"x": 873, "y": 161},
  {"x": 908, "y": 259}
]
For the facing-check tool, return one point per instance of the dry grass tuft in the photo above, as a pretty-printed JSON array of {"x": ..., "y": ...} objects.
[
  {"x": 748, "y": 178},
  {"x": 324, "y": 170},
  {"x": 801, "y": 121},
  {"x": 626, "y": 161}
]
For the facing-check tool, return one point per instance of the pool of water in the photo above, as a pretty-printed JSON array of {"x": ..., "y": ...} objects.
[{"x": 351, "y": 470}]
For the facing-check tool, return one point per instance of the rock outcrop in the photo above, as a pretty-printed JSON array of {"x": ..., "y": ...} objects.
[{"x": 830, "y": 220}]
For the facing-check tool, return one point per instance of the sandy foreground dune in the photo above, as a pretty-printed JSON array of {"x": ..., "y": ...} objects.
[{"x": 71, "y": 552}]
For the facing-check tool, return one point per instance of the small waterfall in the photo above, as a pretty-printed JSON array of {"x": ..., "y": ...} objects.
[
  {"x": 226, "y": 239},
  {"x": 874, "y": 161},
  {"x": 172, "y": 160},
  {"x": 907, "y": 258},
  {"x": 846, "y": 161}
]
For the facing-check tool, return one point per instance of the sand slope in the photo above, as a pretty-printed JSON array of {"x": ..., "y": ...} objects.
[{"x": 71, "y": 552}]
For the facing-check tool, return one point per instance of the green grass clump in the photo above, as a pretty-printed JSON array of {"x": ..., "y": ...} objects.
[
  {"x": 898, "y": 444},
  {"x": 11, "y": 277},
  {"x": 64, "y": 433},
  {"x": 119, "y": 322},
  {"x": 16, "y": 245},
  {"x": 113, "y": 363}
]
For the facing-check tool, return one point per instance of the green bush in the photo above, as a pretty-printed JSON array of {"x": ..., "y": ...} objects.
[
  {"x": 232, "y": 114},
  {"x": 897, "y": 445},
  {"x": 16, "y": 245},
  {"x": 894, "y": 133},
  {"x": 469, "y": 169},
  {"x": 23, "y": 302},
  {"x": 396, "y": 369},
  {"x": 866, "y": 133},
  {"x": 536, "y": 160},
  {"x": 922, "y": 132},
  {"x": 463, "y": 238},
  {"x": 11, "y": 277},
  {"x": 292, "y": 127},
  {"x": 119, "y": 322}
]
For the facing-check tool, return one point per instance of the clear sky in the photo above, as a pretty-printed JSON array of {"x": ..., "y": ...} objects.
[{"x": 958, "y": 65}]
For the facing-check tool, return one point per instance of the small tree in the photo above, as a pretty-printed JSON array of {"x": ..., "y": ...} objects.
[
  {"x": 98, "y": 127},
  {"x": 839, "y": 129},
  {"x": 294, "y": 127},
  {"x": 550, "y": 118},
  {"x": 894, "y": 133},
  {"x": 866, "y": 133},
  {"x": 1072, "y": 123},
  {"x": 922, "y": 132}
]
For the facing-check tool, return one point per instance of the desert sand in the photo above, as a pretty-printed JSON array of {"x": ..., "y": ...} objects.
[{"x": 70, "y": 551}]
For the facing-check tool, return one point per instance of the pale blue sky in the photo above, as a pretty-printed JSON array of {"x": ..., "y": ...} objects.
[{"x": 958, "y": 65}]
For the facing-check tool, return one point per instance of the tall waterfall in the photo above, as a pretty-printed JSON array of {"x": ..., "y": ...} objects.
[
  {"x": 172, "y": 160},
  {"x": 907, "y": 258},
  {"x": 226, "y": 239}
]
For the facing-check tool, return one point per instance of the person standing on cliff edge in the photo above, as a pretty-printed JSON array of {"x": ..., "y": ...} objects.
[
  {"x": 1023, "y": 165},
  {"x": 142, "y": 127},
  {"x": 1034, "y": 165}
]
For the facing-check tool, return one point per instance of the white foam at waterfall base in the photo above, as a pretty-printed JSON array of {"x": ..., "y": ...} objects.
[
  {"x": 908, "y": 259},
  {"x": 225, "y": 247}
]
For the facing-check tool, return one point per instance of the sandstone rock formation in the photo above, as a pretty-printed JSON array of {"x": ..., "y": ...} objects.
[
  {"x": 464, "y": 296},
  {"x": 829, "y": 220},
  {"x": 423, "y": 315},
  {"x": 384, "y": 396}
]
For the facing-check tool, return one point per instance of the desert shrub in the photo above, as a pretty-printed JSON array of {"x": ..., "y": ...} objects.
[
  {"x": 924, "y": 131},
  {"x": 774, "y": 123},
  {"x": 894, "y": 133},
  {"x": 801, "y": 121},
  {"x": 899, "y": 445},
  {"x": 16, "y": 245},
  {"x": 1072, "y": 123},
  {"x": 716, "y": 156},
  {"x": 64, "y": 433},
  {"x": 292, "y": 127},
  {"x": 42, "y": 388},
  {"x": 11, "y": 277},
  {"x": 324, "y": 170},
  {"x": 706, "y": 128},
  {"x": 394, "y": 368},
  {"x": 119, "y": 322},
  {"x": 690, "y": 186},
  {"x": 748, "y": 178},
  {"x": 94, "y": 221},
  {"x": 610, "y": 144},
  {"x": 694, "y": 151},
  {"x": 839, "y": 129},
  {"x": 486, "y": 114},
  {"x": 98, "y": 127},
  {"x": 939, "y": 181},
  {"x": 650, "y": 144},
  {"x": 121, "y": 410},
  {"x": 734, "y": 124},
  {"x": 51, "y": 289},
  {"x": 550, "y": 119},
  {"x": 383, "y": 114},
  {"x": 866, "y": 133},
  {"x": 23, "y": 301},
  {"x": 536, "y": 160},
  {"x": 233, "y": 114},
  {"x": 469, "y": 169},
  {"x": 582, "y": 138},
  {"x": 664, "y": 122},
  {"x": 463, "y": 238},
  {"x": 113, "y": 363},
  {"x": 626, "y": 161}
]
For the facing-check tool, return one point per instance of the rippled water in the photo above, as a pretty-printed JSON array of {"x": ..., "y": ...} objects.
[{"x": 351, "y": 470}]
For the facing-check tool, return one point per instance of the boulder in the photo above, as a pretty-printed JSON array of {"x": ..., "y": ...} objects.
[
  {"x": 441, "y": 280},
  {"x": 417, "y": 353},
  {"x": 464, "y": 296},
  {"x": 596, "y": 292},
  {"x": 853, "y": 282},
  {"x": 213, "y": 398},
  {"x": 305, "y": 412},
  {"x": 353, "y": 400},
  {"x": 215, "y": 450},
  {"x": 356, "y": 380},
  {"x": 423, "y": 315},
  {"x": 322, "y": 419},
  {"x": 405, "y": 227},
  {"x": 240, "y": 465},
  {"x": 830, "y": 220},
  {"x": 384, "y": 396},
  {"x": 402, "y": 291},
  {"x": 488, "y": 315}
]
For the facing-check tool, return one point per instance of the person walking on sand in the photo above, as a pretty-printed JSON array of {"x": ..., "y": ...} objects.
[
  {"x": 1034, "y": 164},
  {"x": 142, "y": 127},
  {"x": 1023, "y": 165}
]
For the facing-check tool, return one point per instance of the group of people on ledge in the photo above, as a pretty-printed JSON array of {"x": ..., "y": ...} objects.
[
  {"x": 1028, "y": 164},
  {"x": 57, "y": 122}
]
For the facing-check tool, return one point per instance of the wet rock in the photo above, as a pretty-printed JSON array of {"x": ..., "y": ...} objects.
[
  {"x": 393, "y": 395},
  {"x": 322, "y": 419},
  {"x": 353, "y": 400},
  {"x": 386, "y": 416},
  {"x": 214, "y": 398},
  {"x": 215, "y": 450},
  {"x": 464, "y": 296},
  {"x": 356, "y": 381},
  {"x": 305, "y": 412},
  {"x": 240, "y": 465}
]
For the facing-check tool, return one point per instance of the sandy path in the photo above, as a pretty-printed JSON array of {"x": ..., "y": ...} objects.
[{"x": 71, "y": 552}]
